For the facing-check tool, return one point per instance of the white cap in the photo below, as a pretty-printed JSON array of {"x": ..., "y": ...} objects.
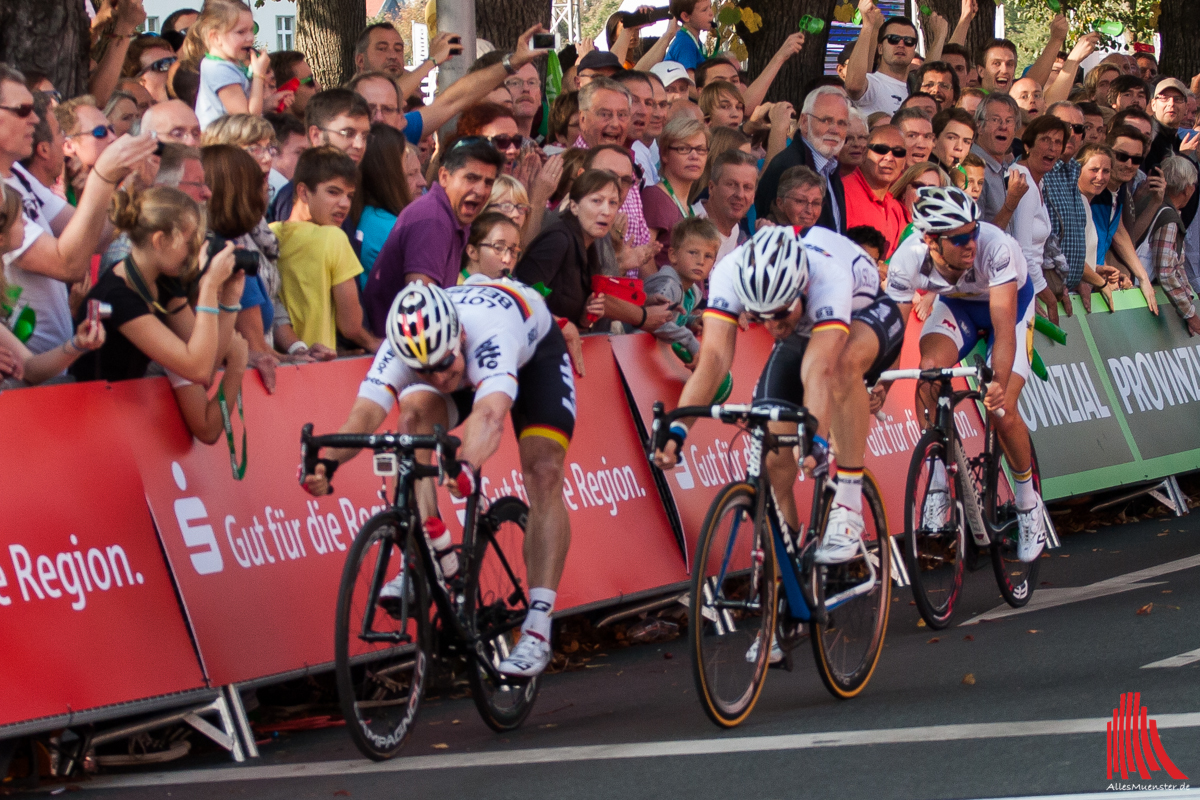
[{"x": 670, "y": 71}]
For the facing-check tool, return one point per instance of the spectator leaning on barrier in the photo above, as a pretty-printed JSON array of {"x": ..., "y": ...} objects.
[
  {"x": 996, "y": 119},
  {"x": 151, "y": 319},
  {"x": 684, "y": 147},
  {"x": 1162, "y": 252},
  {"x": 426, "y": 244},
  {"x": 693, "y": 252},
  {"x": 1068, "y": 210},
  {"x": 317, "y": 266},
  {"x": 17, "y": 363},
  {"x": 824, "y": 121}
]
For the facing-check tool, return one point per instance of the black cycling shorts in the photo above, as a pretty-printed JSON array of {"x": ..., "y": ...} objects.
[
  {"x": 780, "y": 379},
  {"x": 545, "y": 404},
  {"x": 883, "y": 317}
]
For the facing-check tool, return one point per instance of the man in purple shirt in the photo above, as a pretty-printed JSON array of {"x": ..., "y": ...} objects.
[{"x": 426, "y": 244}]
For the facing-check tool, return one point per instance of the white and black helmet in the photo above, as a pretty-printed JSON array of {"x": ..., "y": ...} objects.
[
  {"x": 939, "y": 209},
  {"x": 772, "y": 269},
  {"x": 423, "y": 326}
]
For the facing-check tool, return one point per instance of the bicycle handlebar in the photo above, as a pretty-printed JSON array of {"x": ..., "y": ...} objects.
[
  {"x": 729, "y": 413},
  {"x": 445, "y": 445},
  {"x": 980, "y": 371}
]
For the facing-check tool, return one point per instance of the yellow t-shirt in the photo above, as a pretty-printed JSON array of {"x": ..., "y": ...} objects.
[{"x": 312, "y": 260}]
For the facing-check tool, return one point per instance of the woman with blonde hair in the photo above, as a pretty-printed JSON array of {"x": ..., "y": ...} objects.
[
  {"x": 17, "y": 362},
  {"x": 684, "y": 146},
  {"x": 151, "y": 319},
  {"x": 510, "y": 199},
  {"x": 250, "y": 132}
]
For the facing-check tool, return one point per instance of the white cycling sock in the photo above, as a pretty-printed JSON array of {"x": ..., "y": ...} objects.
[
  {"x": 541, "y": 605},
  {"x": 938, "y": 480},
  {"x": 1023, "y": 490},
  {"x": 849, "y": 488}
]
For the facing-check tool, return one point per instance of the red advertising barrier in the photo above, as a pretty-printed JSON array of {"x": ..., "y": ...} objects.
[
  {"x": 87, "y": 611},
  {"x": 258, "y": 561}
]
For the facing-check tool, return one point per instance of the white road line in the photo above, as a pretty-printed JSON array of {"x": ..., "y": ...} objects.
[
  {"x": 1049, "y": 598},
  {"x": 1181, "y": 660},
  {"x": 1156, "y": 794},
  {"x": 606, "y": 752}
]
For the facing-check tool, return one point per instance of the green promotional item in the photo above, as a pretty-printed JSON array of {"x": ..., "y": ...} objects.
[
  {"x": 239, "y": 470},
  {"x": 1054, "y": 6},
  {"x": 554, "y": 77},
  {"x": 1109, "y": 27},
  {"x": 18, "y": 316},
  {"x": 1038, "y": 366},
  {"x": 726, "y": 387},
  {"x": 1049, "y": 329},
  {"x": 811, "y": 24}
]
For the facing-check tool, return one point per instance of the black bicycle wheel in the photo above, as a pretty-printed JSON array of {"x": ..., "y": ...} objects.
[
  {"x": 381, "y": 659},
  {"x": 733, "y": 606},
  {"x": 1015, "y": 578},
  {"x": 934, "y": 531},
  {"x": 496, "y": 605},
  {"x": 848, "y": 644}
]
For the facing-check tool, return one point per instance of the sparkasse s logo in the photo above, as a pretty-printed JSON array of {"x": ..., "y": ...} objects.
[{"x": 1133, "y": 743}]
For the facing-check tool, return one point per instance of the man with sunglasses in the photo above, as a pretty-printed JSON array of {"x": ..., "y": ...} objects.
[
  {"x": 804, "y": 291},
  {"x": 56, "y": 251},
  {"x": 473, "y": 354},
  {"x": 86, "y": 134},
  {"x": 868, "y": 201},
  {"x": 983, "y": 288},
  {"x": 877, "y": 72}
]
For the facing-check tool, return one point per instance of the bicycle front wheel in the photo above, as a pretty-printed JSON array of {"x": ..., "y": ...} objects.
[
  {"x": 381, "y": 657},
  {"x": 732, "y": 606},
  {"x": 496, "y": 605},
  {"x": 848, "y": 644},
  {"x": 1015, "y": 578},
  {"x": 934, "y": 530}
]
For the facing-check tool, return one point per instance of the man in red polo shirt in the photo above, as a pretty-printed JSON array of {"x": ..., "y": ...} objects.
[{"x": 868, "y": 201}]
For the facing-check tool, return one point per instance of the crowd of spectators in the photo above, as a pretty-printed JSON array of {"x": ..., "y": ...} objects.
[{"x": 228, "y": 211}]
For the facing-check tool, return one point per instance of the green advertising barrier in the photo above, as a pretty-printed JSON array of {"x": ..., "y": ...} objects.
[{"x": 1122, "y": 404}]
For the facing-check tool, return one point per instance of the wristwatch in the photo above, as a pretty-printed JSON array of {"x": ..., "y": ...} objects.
[{"x": 506, "y": 62}]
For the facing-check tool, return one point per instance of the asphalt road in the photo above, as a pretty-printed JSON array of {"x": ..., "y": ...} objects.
[{"x": 1032, "y": 723}]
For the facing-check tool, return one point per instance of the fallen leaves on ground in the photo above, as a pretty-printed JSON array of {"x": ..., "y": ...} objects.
[
  {"x": 920, "y": 623},
  {"x": 968, "y": 638},
  {"x": 441, "y": 746},
  {"x": 969, "y": 679},
  {"x": 1145, "y": 610},
  {"x": 1034, "y": 630},
  {"x": 934, "y": 640}
]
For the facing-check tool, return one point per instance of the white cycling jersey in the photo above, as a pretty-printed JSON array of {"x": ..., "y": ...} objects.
[
  {"x": 998, "y": 260},
  {"x": 842, "y": 279},
  {"x": 503, "y": 320}
]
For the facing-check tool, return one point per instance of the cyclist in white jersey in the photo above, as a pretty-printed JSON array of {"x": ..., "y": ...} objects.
[
  {"x": 983, "y": 287},
  {"x": 798, "y": 288},
  {"x": 470, "y": 355}
]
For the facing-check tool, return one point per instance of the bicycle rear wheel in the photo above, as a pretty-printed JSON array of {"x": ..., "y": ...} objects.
[
  {"x": 496, "y": 605},
  {"x": 1015, "y": 578},
  {"x": 732, "y": 606},
  {"x": 934, "y": 530},
  {"x": 847, "y": 646},
  {"x": 381, "y": 659}
]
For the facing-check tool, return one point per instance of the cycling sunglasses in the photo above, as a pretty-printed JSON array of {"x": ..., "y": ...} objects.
[
  {"x": 895, "y": 39},
  {"x": 162, "y": 65},
  {"x": 774, "y": 316},
  {"x": 443, "y": 365},
  {"x": 963, "y": 239},
  {"x": 503, "y": 141},
  {"x": 883, "y": 150},
  {"x": 1125, "y": 158},
  {"x": 98, "y": 132}
]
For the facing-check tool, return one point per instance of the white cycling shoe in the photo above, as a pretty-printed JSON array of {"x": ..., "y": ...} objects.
[
  {"x": 391, "y": 596},
  {"x": 936, "y": 513},
  {"x": 529, "y": 658},
  {"x": 775, "y": 656},
  {"x": 1032, "y": 527},
  {"x": 843, "y": 535}
]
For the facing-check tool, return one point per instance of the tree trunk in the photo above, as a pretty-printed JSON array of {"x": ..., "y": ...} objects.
[
  {"x": 51, "y": 37},
  {"x": 780, "y": 19},
  {"x": 983, "y": 27},
  {"x": 1179, "y": 25},
  {"x": 326, "y": 31},
  {"x": 502, "y": 22}
]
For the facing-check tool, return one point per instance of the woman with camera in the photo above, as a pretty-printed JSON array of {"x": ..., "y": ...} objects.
[{"x": 151, "y": 319}]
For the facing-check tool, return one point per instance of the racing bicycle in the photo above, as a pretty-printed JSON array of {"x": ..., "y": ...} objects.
[
  {"x": 949, "y": 494},
  {"x": 382, "y": 658},
  {"x": 737, "y": 617}
]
